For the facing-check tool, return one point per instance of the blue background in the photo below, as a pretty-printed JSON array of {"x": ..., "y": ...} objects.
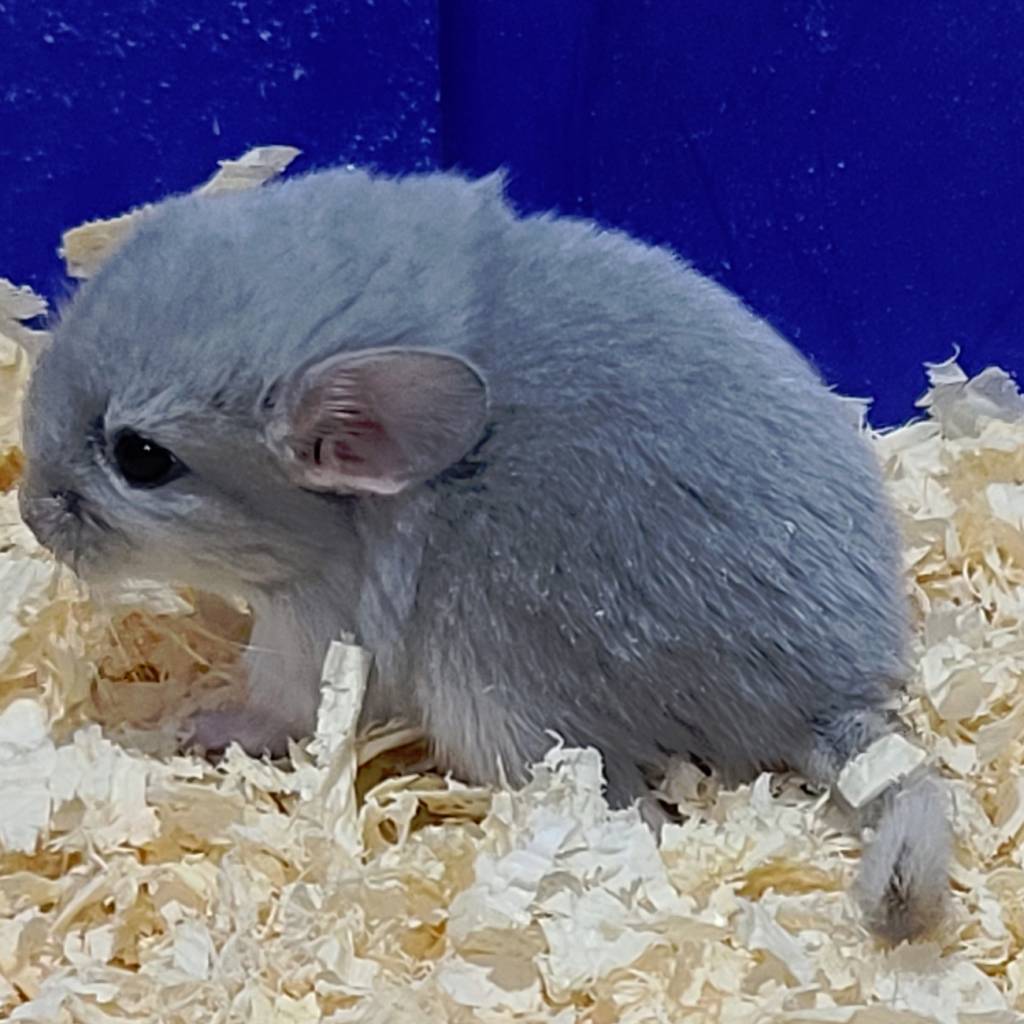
[{"x": 853, "y": 170}]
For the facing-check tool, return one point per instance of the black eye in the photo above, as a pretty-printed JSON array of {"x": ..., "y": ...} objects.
[{"x": 143, "y": 463}]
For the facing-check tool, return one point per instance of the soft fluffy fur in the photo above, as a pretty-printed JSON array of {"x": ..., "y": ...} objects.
[{"x": 669, "y": 538}]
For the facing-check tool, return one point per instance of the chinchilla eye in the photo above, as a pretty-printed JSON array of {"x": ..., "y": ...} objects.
[{"x": 144, "y": 463}]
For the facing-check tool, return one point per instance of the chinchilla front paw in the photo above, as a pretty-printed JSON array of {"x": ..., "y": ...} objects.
[{"x": 256, "y": 732}]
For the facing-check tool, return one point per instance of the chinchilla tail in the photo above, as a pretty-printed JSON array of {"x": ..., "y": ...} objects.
[{"x": 903, "y": 885}]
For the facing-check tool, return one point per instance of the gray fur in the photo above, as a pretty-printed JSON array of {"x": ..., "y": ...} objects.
[
  {"x": 903, "y": 885},
  {"x": 669, "y": 538}
]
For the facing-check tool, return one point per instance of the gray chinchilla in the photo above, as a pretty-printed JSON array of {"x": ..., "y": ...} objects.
[{"x": 552, "y": 478}]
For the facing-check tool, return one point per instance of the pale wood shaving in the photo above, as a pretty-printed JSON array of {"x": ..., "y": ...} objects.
[{"x": 871, "y": 772}]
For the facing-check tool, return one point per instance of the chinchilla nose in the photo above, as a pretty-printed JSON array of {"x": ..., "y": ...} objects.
[
  {"x": 69, "y": 501},
  {"x": 44, "y": 513}
]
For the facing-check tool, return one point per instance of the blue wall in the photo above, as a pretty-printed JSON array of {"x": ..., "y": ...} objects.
[{"x": 852, "y": 170}]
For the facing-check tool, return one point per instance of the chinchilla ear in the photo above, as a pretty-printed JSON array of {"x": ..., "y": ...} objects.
[{"x": 375, "y": 421}]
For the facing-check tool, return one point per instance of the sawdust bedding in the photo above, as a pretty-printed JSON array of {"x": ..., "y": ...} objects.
[{"x": 351, "y": 884}]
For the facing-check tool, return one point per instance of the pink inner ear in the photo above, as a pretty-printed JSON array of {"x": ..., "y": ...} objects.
[
  {"x": 344, "y": 453},
  {"x": 341, "y": 450},
  {"x": 378, "y": 420}
]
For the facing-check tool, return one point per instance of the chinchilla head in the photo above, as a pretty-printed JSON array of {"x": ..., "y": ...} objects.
[{"x": 246, "y": 368}]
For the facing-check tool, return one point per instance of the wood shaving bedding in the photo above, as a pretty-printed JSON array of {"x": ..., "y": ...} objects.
[{"x": 353, "y": 885}]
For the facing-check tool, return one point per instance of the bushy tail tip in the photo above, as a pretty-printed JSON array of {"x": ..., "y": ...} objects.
[{"x": 903, "y": 886}]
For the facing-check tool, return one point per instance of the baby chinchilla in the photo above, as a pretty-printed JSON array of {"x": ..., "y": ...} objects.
[{"x": 552, "y": 478}]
